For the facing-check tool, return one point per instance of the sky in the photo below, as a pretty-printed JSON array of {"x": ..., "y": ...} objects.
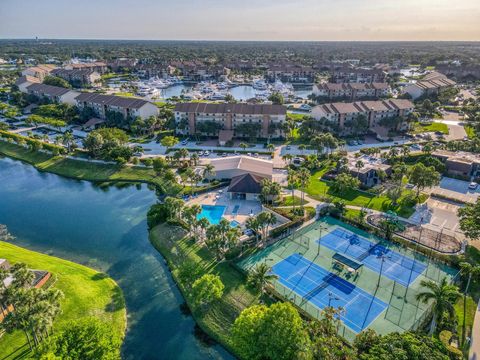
[{"x": 296, "y": 20}]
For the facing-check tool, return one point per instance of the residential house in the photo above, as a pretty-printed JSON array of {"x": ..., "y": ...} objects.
[
  {"x": 55, "y": 94},
  {"x": 128, "y": 107},
  {"x": 229, "y": 116},
  {"x": 431, "y": 84},
  {"x": 78, "y": 77},
  {"x": 459, "y": 163},
  {"x": 370, "y": 174},
  {"x": 39, "y": 71},
  {"x": 350, "y": 91},
  {"x": 342, "y": 114}
]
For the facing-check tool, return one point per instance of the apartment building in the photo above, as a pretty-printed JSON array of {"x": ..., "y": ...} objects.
[
  {"x": 374, "y": 111},
  {"x": 347, "y": 74},
  {"x": 25, "y": 81},
  {"x": 290, "y": 73},
  {"x": 39, "y": 71},
  {"x": 98, "y": 66},
  {"x": 431, "y": 84},
  {"x": 350, "y": 91},
  {"x": 230, "y": 116},
  {"x": 78, "y": 77},
  {"x": 128, "y": 107},
  {"x": 54, "y": 94},
  {"x": 199, "y": 71},
  {"x": 122, "y": 64},
  {"x": 459, "y": 163}
]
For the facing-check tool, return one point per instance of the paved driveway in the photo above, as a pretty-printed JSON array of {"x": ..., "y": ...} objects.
[{"x": 458, "y": 186}]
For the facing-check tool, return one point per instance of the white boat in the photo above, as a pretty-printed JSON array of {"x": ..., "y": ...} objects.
[
  {"x": 217, "y": 96},
  {"x": 259, "y": 85}
]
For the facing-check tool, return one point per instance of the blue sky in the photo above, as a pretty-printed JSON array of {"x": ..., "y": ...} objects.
[{"x": 242, "y": 19}]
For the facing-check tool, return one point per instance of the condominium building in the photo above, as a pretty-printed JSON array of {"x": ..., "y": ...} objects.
[
  {"x": 350, "y": 91},
  {"x": 78, "y": 77},
  {"x": 374, "y": 111},
  {"x": 25, "y": 81},
  {"x": 346, "y": 74},
  {"x": 39, "y": 71},
  {"x": 290, "y": 73},
  {"x": 55, "y": 94},
  {"x": 98, "y": 66},
  {"x": 128, "y": 107},
  {"x": 230, "y": 116},
  {"x": 431, "y": 84}
]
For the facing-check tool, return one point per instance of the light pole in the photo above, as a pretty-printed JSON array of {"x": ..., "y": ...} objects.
[{"x": 320, "y": 228}]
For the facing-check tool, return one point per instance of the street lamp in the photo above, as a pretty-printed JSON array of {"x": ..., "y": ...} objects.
[{"x": 320, "y": 228}]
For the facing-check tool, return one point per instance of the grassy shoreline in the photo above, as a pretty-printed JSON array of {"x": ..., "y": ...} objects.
[
  {"x": 216, "y": 321},
  {"x": 87, "y": 293},
  {"x": 83, "y": 170}
]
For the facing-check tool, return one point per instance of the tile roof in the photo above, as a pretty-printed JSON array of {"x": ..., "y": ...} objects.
[
  {"x": 27, "y": 78},
  {"x": 111, "y": 100},
  {"x": 365, "y": 106},
  {"x": 248, "y": 109},
  {"x": 246, "y": 163}
]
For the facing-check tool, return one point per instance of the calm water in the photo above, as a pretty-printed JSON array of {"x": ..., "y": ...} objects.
[{"x": 105, "y": 229}]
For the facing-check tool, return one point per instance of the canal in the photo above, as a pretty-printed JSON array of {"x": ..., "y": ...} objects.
[{"x": 104, "y": 228}]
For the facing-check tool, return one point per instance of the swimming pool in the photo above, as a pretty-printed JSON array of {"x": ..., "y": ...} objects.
[{"x": 213, "y": 213}]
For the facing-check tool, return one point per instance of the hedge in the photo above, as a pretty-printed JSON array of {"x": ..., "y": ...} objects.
[{"x": 55, "y": 149}]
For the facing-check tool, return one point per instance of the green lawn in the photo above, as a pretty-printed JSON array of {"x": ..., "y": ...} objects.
[
  {"x": 470, "y": 315},
  {"x": 219, "y": 317},
  {"x": 291, "y": 201},
  {"x": 319, "y": 189},
  {"x": 87, "y": 293},
  {"x": 85, "y": 170},
  {"x": 432, "y": 127}
]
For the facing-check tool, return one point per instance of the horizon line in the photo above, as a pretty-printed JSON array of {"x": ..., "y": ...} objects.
[{"x": 226, "y": 40}]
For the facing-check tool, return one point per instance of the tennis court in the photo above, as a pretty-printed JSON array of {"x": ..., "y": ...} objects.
[
  {"x": 377, "y": 281},
  {"x": 400, "y": 268},
  {"x": 323, "y": 288}
]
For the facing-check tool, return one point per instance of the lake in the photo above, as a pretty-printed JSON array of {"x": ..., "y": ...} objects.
[{"x": 104, "y": 228}]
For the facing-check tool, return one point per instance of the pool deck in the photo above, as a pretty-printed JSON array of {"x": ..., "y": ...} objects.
[{"x": 220, "y": 197}]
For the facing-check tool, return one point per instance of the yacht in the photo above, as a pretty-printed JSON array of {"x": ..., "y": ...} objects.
[{"x": 259, "y": 85}]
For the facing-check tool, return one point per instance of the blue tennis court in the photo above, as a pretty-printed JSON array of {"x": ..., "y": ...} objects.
[
  {"x": 397, "y": 267},
  {"x": 322, "y": 288}
]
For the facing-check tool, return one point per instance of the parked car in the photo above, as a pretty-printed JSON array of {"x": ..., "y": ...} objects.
[
  {"x": 473, "y": 185},
  {"x": 184, "y": 142},
  {"x": 206, "y": 153}
]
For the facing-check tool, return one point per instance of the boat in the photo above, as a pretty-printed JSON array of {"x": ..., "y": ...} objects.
[{"x": 259, "y": 85}]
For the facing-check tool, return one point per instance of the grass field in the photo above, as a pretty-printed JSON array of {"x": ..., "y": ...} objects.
[
  {"x": 218, "y": 319},
  {"x": 432, "y": 127},
  {"x": 319, "y": 189},
  {"x": 291, "y": 201},
  {"x": 87, "y": 293},
  {"x": 85, "y": 170}
]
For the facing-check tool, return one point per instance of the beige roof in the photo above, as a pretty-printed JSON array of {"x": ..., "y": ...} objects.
[
  {"x": 365, "y": 106},
  {"x": 245, "y": 163}
]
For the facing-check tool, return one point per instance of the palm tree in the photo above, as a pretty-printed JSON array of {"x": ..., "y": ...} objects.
[
  {"x": 271, "y": 148},
  {"x": 304, "y": 177},
  {"x": 253, "y": 224},
  {"x": 265, "y": 219},
  {"x": 243, "y": 146},
  {"x": 209, "y": 170},
  {"x": 68, "y": 140},
  {"x": 359, "y": 165},
  {"x": 472, "y": 271},
  {"x": 260, "y": 276},
  {"x": 442, "y": 295},
  {"x": 292, "y": 179}
]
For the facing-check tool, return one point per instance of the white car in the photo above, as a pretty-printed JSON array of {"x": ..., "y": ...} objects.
[
  {"x": 206, "y": 153},
  {"x": 473, "y": 185}
]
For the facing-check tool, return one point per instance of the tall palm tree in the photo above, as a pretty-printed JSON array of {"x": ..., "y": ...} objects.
[
  {"x": 209, "y": 170},
  {"x": 243, "y": 146},
  {"x": 68, "y": 140},
  {"x": 260, "y": 276},
  {"x": 304, "y": 178},
  {"x": 359, "y": 165},
  {"x": 472, "y": 271},
  {"x": 442, "y": 295},
  {"x": 292, "y": 179}
]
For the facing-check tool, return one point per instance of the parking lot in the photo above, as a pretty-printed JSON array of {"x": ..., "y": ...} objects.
[{"x": 456, "y": 189}]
